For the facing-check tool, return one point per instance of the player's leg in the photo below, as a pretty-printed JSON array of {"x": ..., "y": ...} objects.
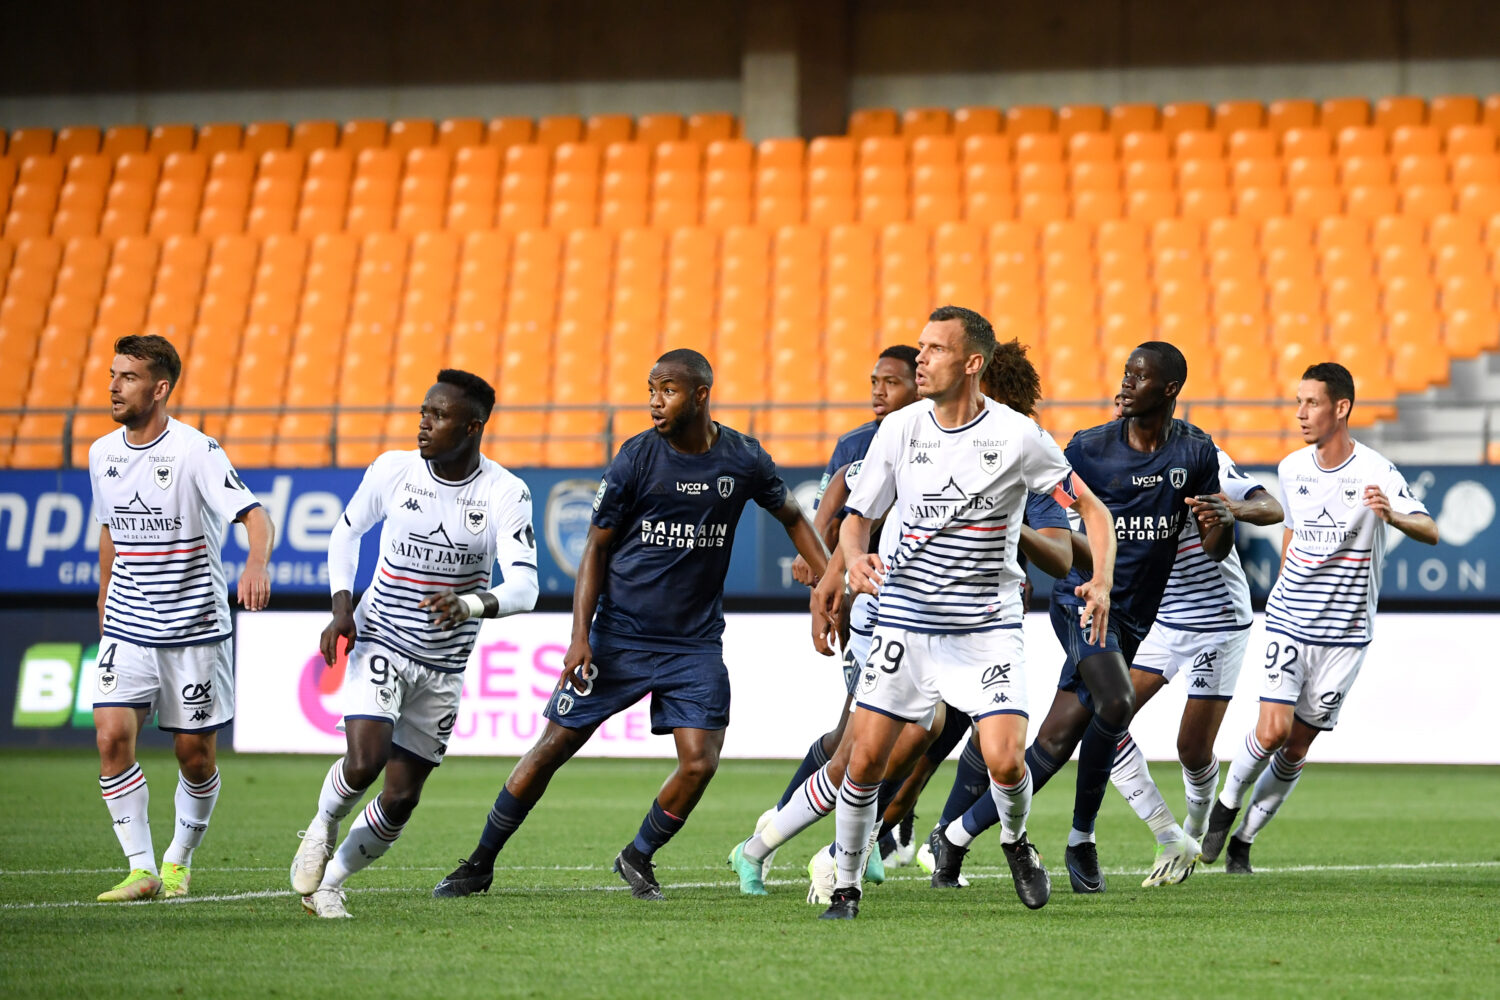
[
  {"x": 1176, "y": 852},
  {"x": 1281, "y": 689},
  {"x": 371, "y": 695},
  {"x": 897, "y": 844},
  {"x": 126, "y": 688},
  {"x": 1214, "y": 671},
  {"x": 1329, "y": 673},
  {"x": 689, "y": 699},
  {"x": 872, "y": 734},
  {"x": 1106, "y": 677},
  {"x": 122, "y": 784},
  {"x": 203, "y": 677}
]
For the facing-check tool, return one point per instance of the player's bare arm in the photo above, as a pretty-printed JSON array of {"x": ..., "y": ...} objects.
[
  {"x": 1102, "y": 546},
  {"x": 578, "y": 662},
  {"x": 809, "y": 542},
  {"x": 1051, "y": 549},
  {"x": 1417, "y": 526},
  {"x": 826, "y": 521},
  {"x": 1259, "y": 508},
  {"x": 342, "y": 624},
  {"x": 254, "y": 586},
  {"x": 866, "y": 571},
  {"x": 829, "y": 605},
  {"x": 106, "y": 563},
  {"x": 1215, "y": 524}
]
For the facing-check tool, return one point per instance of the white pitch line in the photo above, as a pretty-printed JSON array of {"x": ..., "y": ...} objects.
[{"x": 979, "y": 871}]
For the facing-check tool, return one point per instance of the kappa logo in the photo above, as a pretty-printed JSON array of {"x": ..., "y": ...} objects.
[
  {"x": 1001, "y": 698},
  {"x": 525, "y": 495},
  {"x": 213, "y": 445},
  {"x": 989, "y": 461},
  {"x": 111, "y": 473},
  {"x": 198, "y": 716},
  {"x": 1303, "y": 491},
  {"x": 726, "y": 486},
  {"x": 1178, "y": 476},
  {"x": 162, "y": 476},
  {"x": 1200, "y": 682},
  {"x": 411, "y": 504},
  {"x": 475, "y": 520},
  {"x": 920, "y": 458},
  {"x": 996, "y": 675}
]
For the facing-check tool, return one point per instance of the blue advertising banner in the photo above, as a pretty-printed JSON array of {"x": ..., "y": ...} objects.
[{"x": 51, "y": 545}]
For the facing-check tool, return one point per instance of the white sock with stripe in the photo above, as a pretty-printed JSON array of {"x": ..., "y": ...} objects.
[
  {"x": 853, "y": 824},
  {"x": 1249, "y": 761},
  {"x": 371, "y": 836},
  {"x": 1198, "y": 787},
  {"x": 195, "y": 804},
  {"x": 127, "y": 798},
  {"x": 1014, "y": 803},
  {"x": 337, "y": 799},
  {"x": 815, "y": 799},
  {"x": 1132, "y": 778},
  {"x": 1273, "y": 788}
]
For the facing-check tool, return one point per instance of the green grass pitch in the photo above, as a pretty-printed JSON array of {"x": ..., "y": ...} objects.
[{"x": 1373, "y": 881}]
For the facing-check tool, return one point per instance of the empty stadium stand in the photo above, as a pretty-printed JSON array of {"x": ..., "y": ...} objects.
[{"x": 315, "y": 276}]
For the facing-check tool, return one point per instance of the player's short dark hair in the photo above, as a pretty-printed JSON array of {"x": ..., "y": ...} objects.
[
  {"x": 901, "y": 353},
  {"x": 1173, "y": 364},
  {"x": 479, "y": 393},
  {"x": 157, "y": 352},
  {"x": 694, "y": 363},
  {"x": 1012, "y": 379},
  {"x": 1336, "y": 378},
  {"x": 979, "y": 336}
]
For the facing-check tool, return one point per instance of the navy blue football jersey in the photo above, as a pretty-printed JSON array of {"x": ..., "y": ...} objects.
[
  {"x": 1044, "y": 512},
  {"x": 1146, "y": 492},
  {"x": 674, "y": 517},
  {"x": 850, "y": 448}
]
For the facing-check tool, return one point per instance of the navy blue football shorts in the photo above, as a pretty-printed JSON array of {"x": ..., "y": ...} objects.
[
  {"x": 688, "y": 689},
  {"x": 1119, "y": 637}
]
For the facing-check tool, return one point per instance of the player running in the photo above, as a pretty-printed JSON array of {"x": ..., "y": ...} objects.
[
  {"x": 1321, "y": 613},
  {"x": 948, "y": 625},
  {"x": 1151, "y": 471},
  {"x": 450, "y": 514},
  {"x": 163, "y": 494},
  {"x": 893, "y": 385},
  {"x": 648, "y": 614}
]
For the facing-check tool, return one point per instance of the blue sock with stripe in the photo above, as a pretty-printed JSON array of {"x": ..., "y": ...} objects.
[
  {"x": 969, "y": 785},
  {"x": 506, "y": 815},
  {"x": 657, "y": 828},
  {"x": 816, "y": 757}
]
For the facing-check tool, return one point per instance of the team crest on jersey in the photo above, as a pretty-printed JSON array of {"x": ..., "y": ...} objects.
[
  {"x": 726, "y": 486},
  {"x": 868, "y": 680},
  {"x": 1350, "y": 495},
  {"x": 385, "y": 697},
  {"x": 564, "y": 703},
  {"x": 1178, "y": 477},
  {"x": 108, "y": 681},
  {"x": 989, "y": 461},
  {"x": 162, "y": 476},
  {"x": 475, "y": 520}
]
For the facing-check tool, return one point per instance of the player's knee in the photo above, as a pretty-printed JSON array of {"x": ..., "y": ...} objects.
[
  {"x": 698, "y": 768},
  {"x": 1272, "y": 732},
  {"x": 1193, "y": 752},
  {"x": 399, "y": 803},
  {"x": 1009, "y": 770},
  {"x": 361, "y": 768},
  {"x": 195, "y": 758},
  {"x": 114, "y": 751},
  {"x": 1118, "y": 708}
]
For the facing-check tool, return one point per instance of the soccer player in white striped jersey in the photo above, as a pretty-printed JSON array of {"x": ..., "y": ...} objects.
[
  {"x": 163, "y": 494},
  {"x": 450, "y": 515},
  {"x": 1200, "y": 631},
  {"x": 1340, "y": 496},
  {"x": 948, "y": 628}
]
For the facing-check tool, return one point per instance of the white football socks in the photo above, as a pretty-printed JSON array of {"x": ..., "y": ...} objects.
[
  {"x": 127, "y": 798},
  {"x": 195, "y": 804}
]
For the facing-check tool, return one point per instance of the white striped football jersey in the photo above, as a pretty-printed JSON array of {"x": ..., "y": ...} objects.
[
  {"x": 1203, "y": 595},
  {"x": 961, "y": 495},
  {"x": 166, "y": 505},
  {"x": 1330, "y": 580},
  {"x": 436, "y": 536}
]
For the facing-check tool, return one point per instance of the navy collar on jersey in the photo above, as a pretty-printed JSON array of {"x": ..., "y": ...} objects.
[
  {"x": 984, "y": 412},
  {"x": 1352, "y": 452},
  {"x": 149, "y": 444},
  {"x": 1169, "y": 431},
  {"x": 464, "y": 482}
]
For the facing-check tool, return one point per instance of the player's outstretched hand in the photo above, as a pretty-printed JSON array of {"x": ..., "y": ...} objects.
[
  {"x": 342, "y": 625},
  {"x": 254, "y": 588},
  {"x": 578, "y": 667},
  {"x": 447, "y": 610},
  {"x": 1376, "y": 500},
  {"x": 1093, "y": 617},
  {"x": 802, "y": 572},
  {"x": 1211, "y": 509},
  {"x": 866, "y": 574},
  {"x": 824, "y": 604}
]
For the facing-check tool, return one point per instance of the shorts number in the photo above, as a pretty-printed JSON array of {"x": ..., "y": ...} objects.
[
  {"x": 380, "y": 671},
  {"x": 107, "y": 661},
  {"x": 1287, "y": 655},
  {"x": 585, "y": 689},
  {"x": 891, "y": 653}
]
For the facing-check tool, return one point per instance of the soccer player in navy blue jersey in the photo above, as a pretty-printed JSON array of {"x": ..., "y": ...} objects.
[
  {"x": 1152, "y": 471},
  {"x": 648, "y": 612}
]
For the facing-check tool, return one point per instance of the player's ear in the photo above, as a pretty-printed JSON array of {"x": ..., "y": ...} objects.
[
  {"x": 1342, "y": 407},
  {"x": 975, "y": 364}
]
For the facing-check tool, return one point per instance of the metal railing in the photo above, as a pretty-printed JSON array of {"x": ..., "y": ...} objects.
[{"x": 617, "y": 422}]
